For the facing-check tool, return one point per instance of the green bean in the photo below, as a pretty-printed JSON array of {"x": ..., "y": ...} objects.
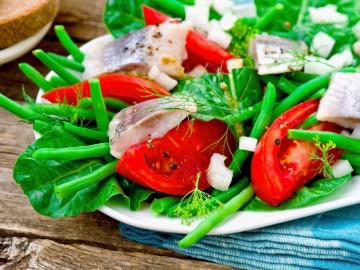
[
  {"x": 263, "y": 120},
  {"x": 243, "y": 115},
  {"x": 65, "y": 111},
  {"x": 268, "y": 18},
  {"x": 98, "y": 105},
  {"x": 341, "y": 141},
  {"x": 86, "y": 181},
  {"x": 36, "y": 77},
  {"x": 115, "y": 103},
  {"x": 72, "y": 153},
  {"x": 353, "y": 158},
  {"x": 41, "y": 126},
  {"x": 20, "y": 111},
  {"x": 68, "y": 44},
  {"x": 57, "y": 81},
  {"x": 309, "y": 122},
  {"x": 159, "y": 206},
  {"x": 286, "y": 85},
  {"x": 303, "y": 91},
  {"x": 85, "y": 102},
  {"x": 66, "y": 62},
  {"x": 217, "y": 217},
  {"x": 301, "y": 76},
  {"x": 223, "y": 197},
  {"x": 56, "y": 67},
  {"x": 300, "y": 93},
  {"x": 317, "y": 94},
  {"x": 174, "y": 7},
  {"x": 86, "y": 132}
]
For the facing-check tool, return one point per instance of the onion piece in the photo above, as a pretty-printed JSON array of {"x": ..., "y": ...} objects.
[
  {"x": 356, "y": 30},
  {"x": 317, "y": 66},
  {"x": 356, "y": 48},
  {"x": 234, "y": 63},
  {"x": 162, "y": 78},
  {"x": 198, "y": 15},
  {"x": 206, "y": 3},
  {"x": 197, "y": 71},
  {"x": 220, "y": 37},
  {"x": 341, "y": 168},
  {"x": 356, "y": 133},
  {"x": 327, "y": 14},
  {"x": 247, "y": 143},
  {"x": 223, "y": 6},
  {"x": 322, "y": 44},
  {"x": 218, "y": 175},
  {"x": 228, "y": 21}
]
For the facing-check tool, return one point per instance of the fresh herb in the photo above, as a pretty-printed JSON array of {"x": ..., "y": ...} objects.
[
  {"x": 324, "y": 156},
  {"x": 198, "y": 203}
]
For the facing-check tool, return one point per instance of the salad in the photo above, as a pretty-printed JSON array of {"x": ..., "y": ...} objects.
[{"x": 197, "y": 111}]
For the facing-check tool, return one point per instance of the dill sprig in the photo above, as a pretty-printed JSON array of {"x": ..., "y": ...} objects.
[
  {"x": 198, "y": 205},
  {"x": 322, "y": 154}
]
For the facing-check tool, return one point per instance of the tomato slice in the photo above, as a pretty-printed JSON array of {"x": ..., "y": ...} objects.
[
  {"x": 170, "y": 164},
  {"x": 128, "y": 88},
  {"x": 279, "y": 165},
  {"x": 201, "y": 51}
]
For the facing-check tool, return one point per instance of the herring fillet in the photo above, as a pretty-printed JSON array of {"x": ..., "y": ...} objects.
[
  {"x": 274, "y": 55},
  {"x": 146, "y": 121},
  {"x": 162, "y": 46},
  {"x": 341, "y": 102}
]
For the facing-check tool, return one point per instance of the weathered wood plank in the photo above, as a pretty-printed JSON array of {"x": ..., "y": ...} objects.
[{"x": 23, "y": 253}]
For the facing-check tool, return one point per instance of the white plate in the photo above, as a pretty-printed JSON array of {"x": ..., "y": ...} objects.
[
  {"x": 346, "y": 195},
  {"x": 22, "y": 47}
]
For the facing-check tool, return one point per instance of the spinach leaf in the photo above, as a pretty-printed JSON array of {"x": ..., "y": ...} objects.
[
  {"x": 303, "y": 197},
  {"x": 134, "y": 194},
  {"x": 38, "y": 178},
  {"x": 123, "y": 16}
]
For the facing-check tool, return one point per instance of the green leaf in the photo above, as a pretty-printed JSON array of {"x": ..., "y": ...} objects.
[
  {"x": 303, "y": 197},
  {"x": 38, "y": 178},
  {"x": 123, "y": 16}
]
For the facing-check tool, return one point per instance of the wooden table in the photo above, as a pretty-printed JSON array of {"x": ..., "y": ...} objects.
[{"x": 89, "y": 241}]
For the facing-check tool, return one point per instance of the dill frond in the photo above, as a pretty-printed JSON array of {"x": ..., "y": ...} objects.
[
  {"x": 324, "y": 156},
  {"x": 198, "y": 205}
]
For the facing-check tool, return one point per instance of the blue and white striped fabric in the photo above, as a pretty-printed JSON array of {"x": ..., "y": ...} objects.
[{"x": 326, "y": 241}]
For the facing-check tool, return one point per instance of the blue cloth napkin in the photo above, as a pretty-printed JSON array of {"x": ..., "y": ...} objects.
[{"x": 326, "y": 241}]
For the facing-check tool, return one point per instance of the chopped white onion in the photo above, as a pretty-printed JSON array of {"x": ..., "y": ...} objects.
[
  {"x": 341, "y": 168},
  {"x": 223, "y": 6},
  {"x": 220, "y": 37},
  {"x": 327, "y": 14},
  {"x": 197, "y": 71},
  {"x": 218, "y": 175},
  {"x": 198, "y": 15},
  {"x": 247, "y": 143},
  {"x": 206, "y": 3},
  {"x": 356, "y": 48},
  {"x": 228, "y": 21},
  {"x": 161, "y": 78},
  {"x": 356, "y": 30},
  {"x": 246, "y": 10},
  {"x": 234, "y": 63},
  {"x": 322, "y": 44},
  {"x": 315, "y": 66},
  {"x": 356, "y": 133},
  {"x": 343, "y": 59},
  {"x": 345, "y": 133}
]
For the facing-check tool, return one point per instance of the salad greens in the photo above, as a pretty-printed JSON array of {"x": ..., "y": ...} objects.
[{"x": 238, "y": 99}]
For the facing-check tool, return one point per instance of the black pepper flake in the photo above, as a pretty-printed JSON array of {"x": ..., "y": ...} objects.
[
  {"x": 157, "y": 35},
  {"x": 126, "y": 48},
  {"x": 166, "y": 155},
  {"x": 277, "y": 141},
  {"x": 173, "y": 166},
  {"x": 170, "y": 41}
]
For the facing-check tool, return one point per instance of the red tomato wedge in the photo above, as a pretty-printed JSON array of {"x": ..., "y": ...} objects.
[
  {"x": 280, "y": 166},
  {"x": 170, "y": 164},
  {"x": 128, "y": 88},
  {"x": 201, "y": 51}
]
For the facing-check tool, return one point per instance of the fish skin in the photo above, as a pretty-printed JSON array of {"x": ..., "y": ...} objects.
[
  {"x": 275, "y": 55},
  {"x": 146, "y": 121},
  {"x": 341, "y": 102},
  {"x": 162, "y": 46}
]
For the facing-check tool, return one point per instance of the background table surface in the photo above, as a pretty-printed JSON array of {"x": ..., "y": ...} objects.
[{"x": 89, "y": 241}]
